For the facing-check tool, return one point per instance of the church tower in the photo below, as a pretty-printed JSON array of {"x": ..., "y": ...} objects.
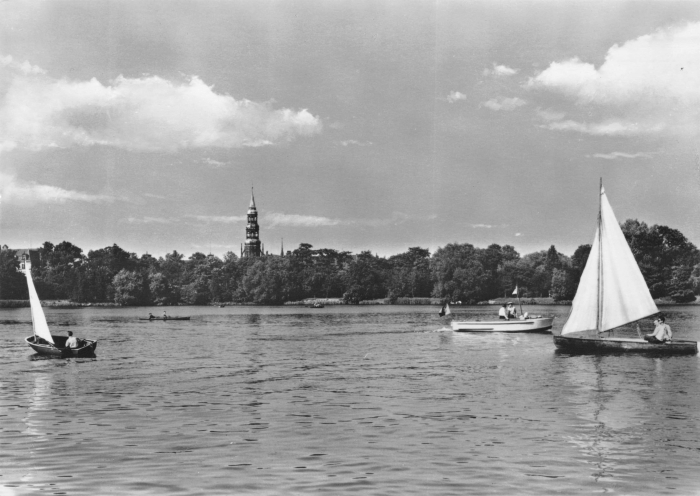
[{"x": 252, "y": 246}]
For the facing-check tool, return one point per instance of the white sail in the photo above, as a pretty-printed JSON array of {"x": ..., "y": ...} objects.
[
  {"x": 612, "y": 291},
  {"x": 41, "y": 328}
]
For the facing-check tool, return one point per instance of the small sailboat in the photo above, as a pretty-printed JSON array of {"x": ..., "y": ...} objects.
[
  {"x": 611, "y": 293},
  {"x": 43, "y": 342}
]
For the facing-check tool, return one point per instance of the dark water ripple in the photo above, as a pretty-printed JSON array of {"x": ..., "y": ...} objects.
[{"x": 342, "y": 400}]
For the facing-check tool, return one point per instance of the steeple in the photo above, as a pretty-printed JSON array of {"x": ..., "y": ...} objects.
[
  {"x": 252, "y": 200},
  {"x": 252, "y": 246},
  {"x": 282, "y": 249}
]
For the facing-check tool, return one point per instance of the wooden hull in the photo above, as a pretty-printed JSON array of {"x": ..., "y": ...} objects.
[
  {"x": 513, "y": 325},
  {"x": 624, "y": 345},
  {"x": 169, "y": 318},
  {"x": 88, "y": 350}
]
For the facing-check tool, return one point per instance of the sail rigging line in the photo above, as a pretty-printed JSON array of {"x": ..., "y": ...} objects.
[{"x": 599, "y": 319}]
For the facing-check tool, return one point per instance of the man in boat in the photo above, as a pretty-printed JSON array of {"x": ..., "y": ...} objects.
[
  {"x": 511, "y": 313},
  {"x": 72, "y": 341},
  {"x": 150, "y": 316},
  {"x": 165, "y": 316},
  {"x": 662, "y": 331},
  {"x": 503, "y": 313}
]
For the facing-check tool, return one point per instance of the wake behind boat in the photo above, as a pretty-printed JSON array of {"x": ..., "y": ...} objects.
[
  {"x": 43, "y": 342},
  {"x": 612, "y": 293}
]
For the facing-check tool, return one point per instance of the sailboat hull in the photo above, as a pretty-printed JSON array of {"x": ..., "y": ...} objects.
[
  {"x": 622, "y": 345},
  {"x": 88, "y": 350}
]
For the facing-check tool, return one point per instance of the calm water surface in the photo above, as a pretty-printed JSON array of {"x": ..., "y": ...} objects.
[{"x": 340, "y": 400}]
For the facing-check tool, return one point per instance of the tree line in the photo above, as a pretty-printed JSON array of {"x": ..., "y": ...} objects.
[{"x": 457, "y": 272}]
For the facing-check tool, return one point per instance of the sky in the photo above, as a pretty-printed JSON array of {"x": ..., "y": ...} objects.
[{"x": 362, "y": 125}]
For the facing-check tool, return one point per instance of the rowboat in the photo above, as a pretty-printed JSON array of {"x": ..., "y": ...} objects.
[
  {"x": 43, "y": 342},
  {"x": 164, "y": 318},
  {"x": 612, "y": 293},
  {"x": 541, "y": 324}
]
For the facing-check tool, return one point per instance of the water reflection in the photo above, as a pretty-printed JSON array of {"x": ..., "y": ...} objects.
[{"x": 39, "y": 403}]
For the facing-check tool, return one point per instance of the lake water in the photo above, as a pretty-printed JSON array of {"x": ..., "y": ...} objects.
[{"x": 371, "y": 400}]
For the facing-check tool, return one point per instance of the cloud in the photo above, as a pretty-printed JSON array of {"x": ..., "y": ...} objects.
[
  {"x": 504, "y": 103},
  {"x": 219, "y": 219},
  {"x": 607, "y": 128},
  {"x": 500, "y": 71},
  {"x": 617, "y": 155},
  {"x": 142, "y": 114},
  {"x": 294, "y": 220},
  {"x": 213, "y": 163},
  {"x": 30, "y": 193},
  {"x": 455, "y": 96},
  {"x": 650, "y": 84},
  {"x": 487, "y": 226},
  {"x": 150, "y": 220},
  {"x": 518, "y": 234},
  {"x": 355, "y": 143}
]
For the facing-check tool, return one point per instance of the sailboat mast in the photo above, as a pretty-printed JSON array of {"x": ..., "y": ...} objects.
[{"x": 599, "y": 319}]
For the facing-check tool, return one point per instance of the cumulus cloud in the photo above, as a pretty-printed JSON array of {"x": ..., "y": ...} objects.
[
  {"x": 455, "y": 96},
  {"x": 650, "y": 84},
  {"x": 146, "y": 114},
  {"x": 504, "y": 103},
  {"x": 500, "y": 71},
  {"x": 295, "y": 220},
  {"x": 30, "y": 193},
  {"x": 618, "y": 155}
]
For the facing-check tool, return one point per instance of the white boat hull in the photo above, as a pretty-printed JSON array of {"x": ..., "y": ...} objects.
[{"x": 513, "y": 325}]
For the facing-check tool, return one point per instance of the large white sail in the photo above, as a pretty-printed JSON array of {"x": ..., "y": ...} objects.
[
  {"x": 612, "y": 291},
  {"x": 41, "y": 328}
]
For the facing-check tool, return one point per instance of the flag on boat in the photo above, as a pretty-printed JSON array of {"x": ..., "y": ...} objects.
[
  {"x": 516, "y": 291},
  {"x": 445, "y": 310}
]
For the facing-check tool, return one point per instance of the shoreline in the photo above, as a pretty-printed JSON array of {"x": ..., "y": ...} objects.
[{"x": 66, "y": 304}]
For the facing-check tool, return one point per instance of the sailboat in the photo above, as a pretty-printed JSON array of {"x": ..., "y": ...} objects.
[
  {"x": 43, "y": 342},
  {"x": 611, "y": 293}
]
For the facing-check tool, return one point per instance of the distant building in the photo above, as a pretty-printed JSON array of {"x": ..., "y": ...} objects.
[
  {"x": 34, "y": 256},
  {"x": 252, "y": 246}
]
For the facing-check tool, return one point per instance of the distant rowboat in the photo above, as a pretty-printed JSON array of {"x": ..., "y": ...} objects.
[{"x": 164, "y": 318}]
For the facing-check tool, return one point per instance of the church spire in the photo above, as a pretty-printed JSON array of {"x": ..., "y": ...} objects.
[
  {"x": 282, "y": 249},
  {"x": 253, "y": 247}
]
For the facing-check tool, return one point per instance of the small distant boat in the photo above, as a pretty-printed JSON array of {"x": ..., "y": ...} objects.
[
  {"x": 612, "y": 293},
  {"x": 316, "y": 304},
  {"x": 541, "y": 324},
  {"x": 164, "y": 318},
  {"x": 43, "y": 342}
]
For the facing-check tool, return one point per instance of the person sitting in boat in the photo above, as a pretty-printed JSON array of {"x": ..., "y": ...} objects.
[
  {"x": 150, "y": 316},
  {"x": 72, "y": 341},
  {"x": 503, "y": 313},
  {"x": 662, "y": 331},
  {"x": 165, "y": 316},
  {"x": 511, "y": 313}
]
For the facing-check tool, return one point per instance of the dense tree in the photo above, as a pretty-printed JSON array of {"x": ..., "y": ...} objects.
[{"x": 456, "y": 272}]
